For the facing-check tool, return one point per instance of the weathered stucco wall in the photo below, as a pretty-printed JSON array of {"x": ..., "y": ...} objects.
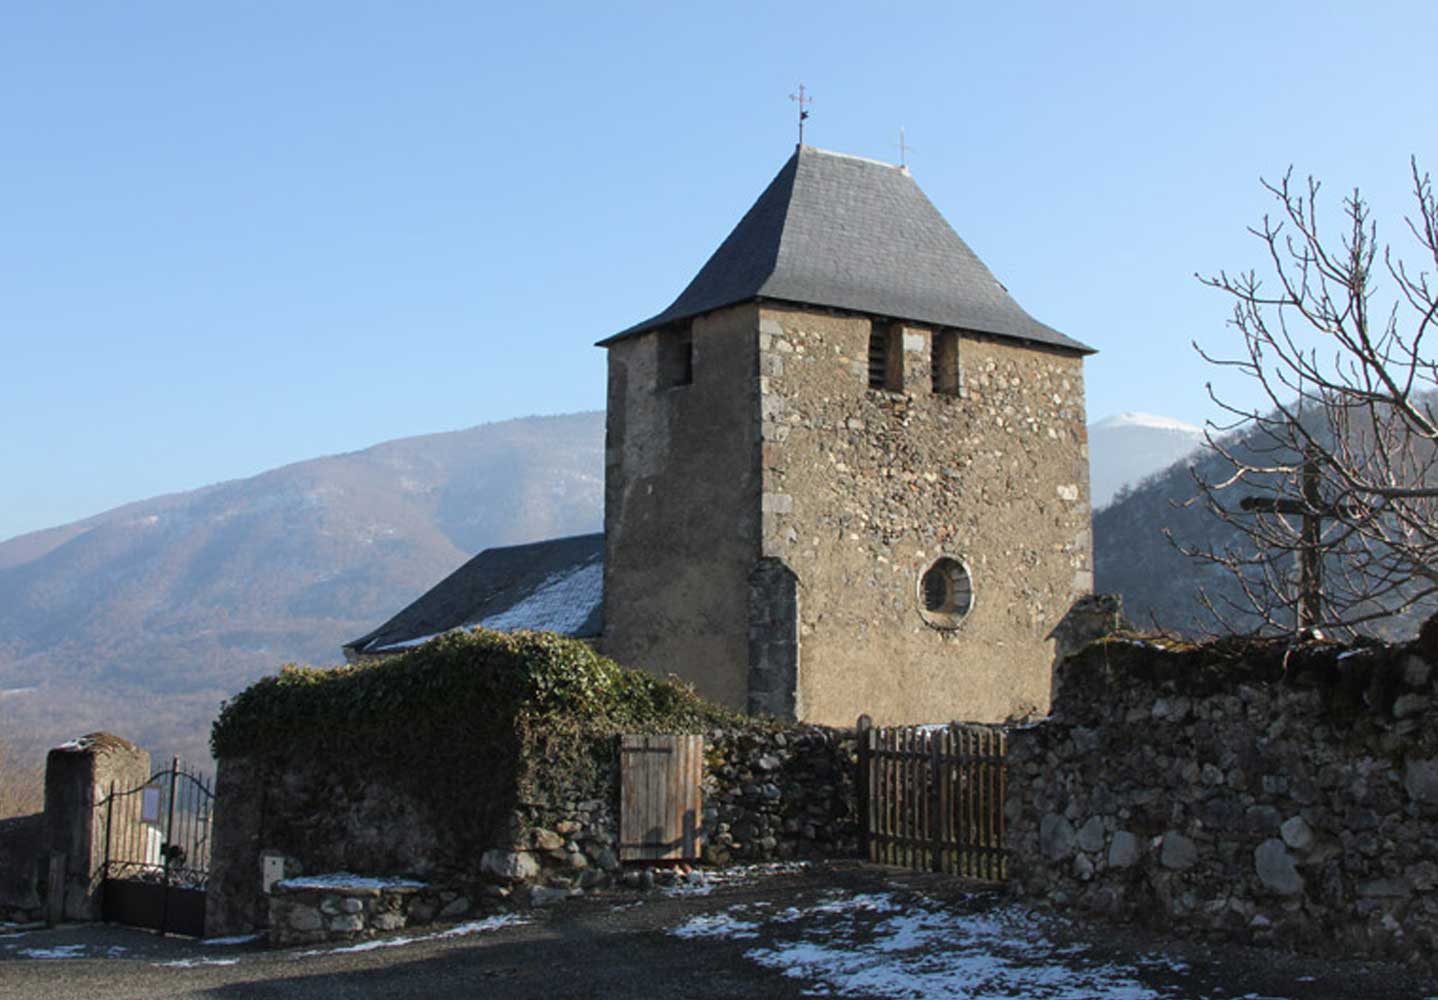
[
  {"x": 681, "y": 506},
  {"x": 1240, "y": 790},
  {"x": 864, "y": 489}
]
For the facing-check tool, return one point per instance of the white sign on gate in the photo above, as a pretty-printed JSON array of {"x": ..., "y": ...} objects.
[{"x": 150, "y": 804}]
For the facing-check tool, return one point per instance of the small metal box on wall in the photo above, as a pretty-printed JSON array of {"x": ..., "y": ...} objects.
[{"x": 661, "y": 800}]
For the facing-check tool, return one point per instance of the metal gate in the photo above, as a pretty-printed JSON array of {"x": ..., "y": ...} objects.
[
  {"x": 932, "y": 798},
  {"x": 157, "y": 852}
]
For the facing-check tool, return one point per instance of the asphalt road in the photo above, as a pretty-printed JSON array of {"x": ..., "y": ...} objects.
[{"x": 850, "y": 931}]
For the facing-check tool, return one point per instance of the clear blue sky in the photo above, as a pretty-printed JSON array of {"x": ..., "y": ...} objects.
[{"x": 235, "y": 236}]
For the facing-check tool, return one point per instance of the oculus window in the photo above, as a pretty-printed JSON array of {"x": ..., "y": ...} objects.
[{"x": 946, "y": 593}]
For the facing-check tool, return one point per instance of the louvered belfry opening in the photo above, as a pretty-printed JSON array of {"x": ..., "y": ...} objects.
[
  {"x": 879, "y": 357},
  {"x": 676, "y": 357},
  {"x": 944, "y": 363}
]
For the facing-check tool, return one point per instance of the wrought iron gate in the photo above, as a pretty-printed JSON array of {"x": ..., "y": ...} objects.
[
  {"x": 932, "y": 798},
  {"x": 157, "y": 852}
]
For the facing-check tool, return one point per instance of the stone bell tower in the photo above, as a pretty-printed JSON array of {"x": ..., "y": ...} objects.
[{"x": 845, "y": 472}]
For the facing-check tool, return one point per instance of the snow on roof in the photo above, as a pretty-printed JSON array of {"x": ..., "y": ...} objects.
[
  {"x": 552, "y": 586},
  {"x": 560, "y": 604}
]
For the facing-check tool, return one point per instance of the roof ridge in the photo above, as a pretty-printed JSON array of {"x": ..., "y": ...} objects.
[{"x": 853, "y": 156}]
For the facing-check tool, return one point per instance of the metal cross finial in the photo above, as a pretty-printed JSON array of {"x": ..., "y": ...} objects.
[
  {"x": 804, "y": 102},
  {"x": 904, "y": 148}
]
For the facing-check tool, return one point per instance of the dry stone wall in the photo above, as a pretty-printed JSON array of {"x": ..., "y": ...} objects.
[
  {"x": 1242, "y": 791},
  {"x": 774, "y": 794}
]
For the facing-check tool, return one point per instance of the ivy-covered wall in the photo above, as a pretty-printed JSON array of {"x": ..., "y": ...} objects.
[{"x": 440, "y": 763}]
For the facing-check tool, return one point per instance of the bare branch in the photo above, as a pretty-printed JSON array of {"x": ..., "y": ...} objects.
[{"x": 1342, "y": 448}]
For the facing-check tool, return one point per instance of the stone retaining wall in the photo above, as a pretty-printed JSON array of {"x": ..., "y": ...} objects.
[
  {"x": 1244, "y": 792},
  {"x": 771, "y": 792}
]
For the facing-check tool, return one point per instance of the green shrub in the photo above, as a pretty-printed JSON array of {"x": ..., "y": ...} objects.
[{"x": 460, "y": 691}]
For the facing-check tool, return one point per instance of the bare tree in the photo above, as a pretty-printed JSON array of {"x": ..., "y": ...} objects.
[{"x": 1338, "y": 458}]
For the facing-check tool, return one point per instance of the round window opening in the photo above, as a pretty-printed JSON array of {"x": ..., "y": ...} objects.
[{"x": 946, "y": 593}]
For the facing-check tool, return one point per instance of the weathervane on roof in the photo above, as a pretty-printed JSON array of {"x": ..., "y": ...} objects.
[{"x": 804, "y": 102}]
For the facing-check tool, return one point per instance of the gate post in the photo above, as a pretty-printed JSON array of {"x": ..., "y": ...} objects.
[
  {"x": 864, "y": 729},
  {"x": 77, "y": 775}
]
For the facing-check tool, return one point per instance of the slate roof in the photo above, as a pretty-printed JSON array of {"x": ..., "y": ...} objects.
[
  {"x": 855, "y": 234},
  {"x": 555, "y": 586}
]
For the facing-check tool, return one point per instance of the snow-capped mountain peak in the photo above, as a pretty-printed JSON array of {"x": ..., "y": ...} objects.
[
  {"x": 1125, "y": 448},
  {"x": 1148, "y": 420}
]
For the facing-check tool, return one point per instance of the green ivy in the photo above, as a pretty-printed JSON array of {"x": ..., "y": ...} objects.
[{"x": 469, "y": 681}]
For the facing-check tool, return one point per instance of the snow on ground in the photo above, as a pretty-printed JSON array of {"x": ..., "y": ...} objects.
[
  {"x": 195, "y": 963},
  {"x": 238, "y": 939},
  {"x": 875, "y": 945},
  {"x": 458, "y": 930},
  {"x": 724, "y": 925},
  {"x": 702, "y": 883},
  {"x": 71, "y": 951}
]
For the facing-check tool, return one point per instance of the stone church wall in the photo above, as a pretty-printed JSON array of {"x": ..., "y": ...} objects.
[
  {"x": 1238, "y": 791},
  {"x": 681, "y": 506},
  {"x": 865, "y": 488}
]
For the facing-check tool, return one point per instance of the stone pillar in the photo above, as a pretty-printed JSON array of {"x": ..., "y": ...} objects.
[
  {"x": 78, "y": 777},
  {"x": 235, "y": 902}
]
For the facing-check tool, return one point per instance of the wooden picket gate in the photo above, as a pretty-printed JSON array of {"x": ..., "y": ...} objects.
[
  {"x": 932, "y": 798},
  {"x": 660, "y": 797}
]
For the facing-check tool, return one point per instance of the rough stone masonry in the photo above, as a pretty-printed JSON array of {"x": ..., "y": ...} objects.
[{"x": 1240, "y": 790}]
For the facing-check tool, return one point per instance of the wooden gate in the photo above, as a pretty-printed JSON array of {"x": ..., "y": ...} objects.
[
  {"x": 157, "y": 852},
  {"x": 660, "y": 797},
  {"x": 932, "y": 798}
]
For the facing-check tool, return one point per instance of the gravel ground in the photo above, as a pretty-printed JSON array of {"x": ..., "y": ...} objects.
[{"x": 834, "y": 931}]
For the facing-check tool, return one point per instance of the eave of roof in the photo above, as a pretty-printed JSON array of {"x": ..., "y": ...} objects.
[{"x": 857, "y": 235}]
